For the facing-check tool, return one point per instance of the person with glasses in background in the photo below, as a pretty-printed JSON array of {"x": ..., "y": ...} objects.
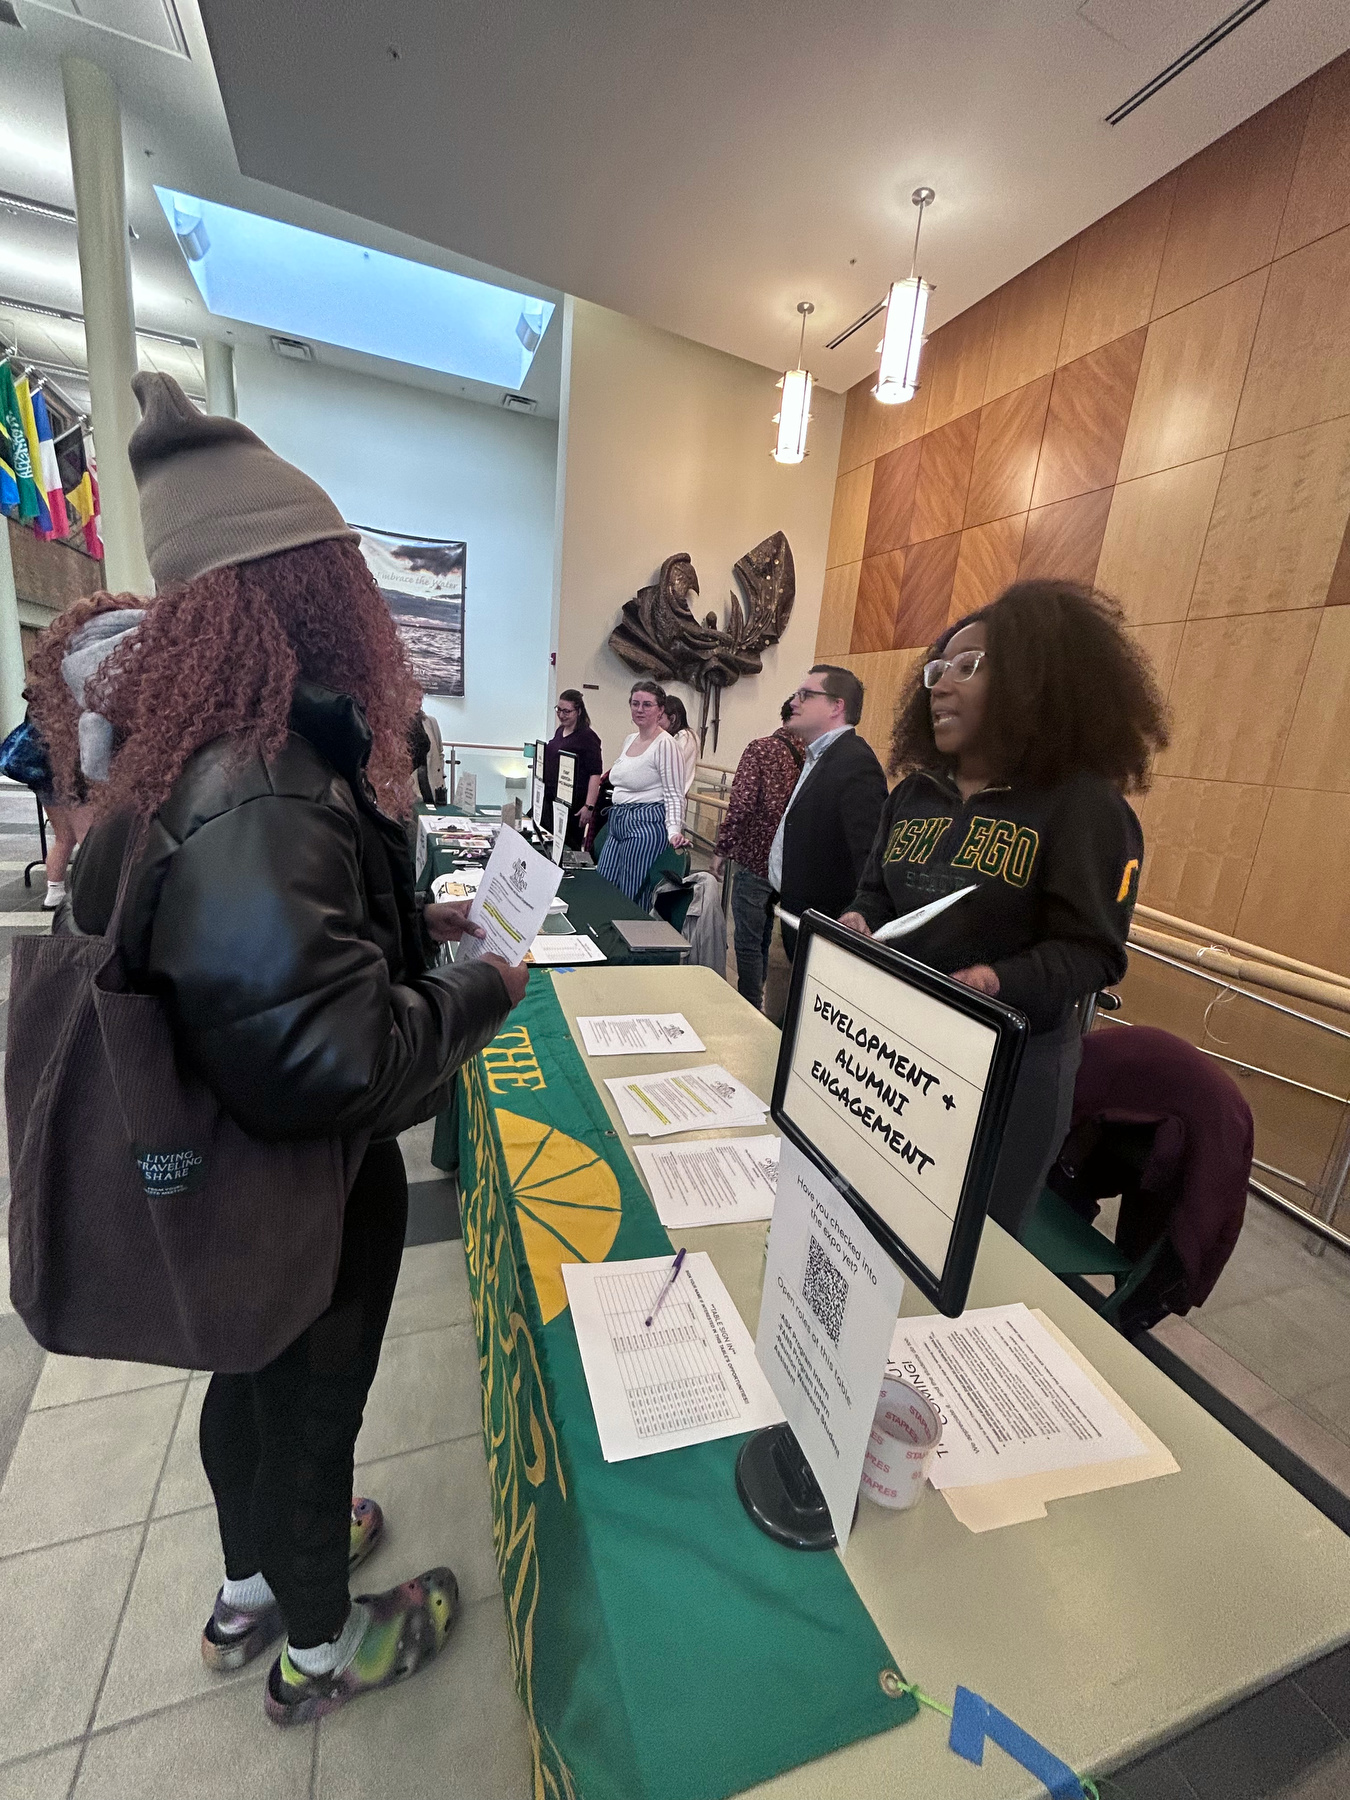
[
  {"x": 574, "y": 735},
  {"x": 648, "y": 811},
  {"x": 1019, "y": 738},
  {"x": 826, "y": 831}
]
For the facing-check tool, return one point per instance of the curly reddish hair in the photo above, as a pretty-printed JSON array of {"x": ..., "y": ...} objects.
[{"x": 220, "y": 657}]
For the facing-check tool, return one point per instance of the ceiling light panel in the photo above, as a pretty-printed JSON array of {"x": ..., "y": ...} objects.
[
  {"x": 284, "y": 278},
  {"x": 154, "y": 23}
]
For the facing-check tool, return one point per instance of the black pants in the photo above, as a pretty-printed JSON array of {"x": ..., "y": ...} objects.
[
  {"x": 277, "y": 1446},
  {"x": 1038, "y": 1122}
]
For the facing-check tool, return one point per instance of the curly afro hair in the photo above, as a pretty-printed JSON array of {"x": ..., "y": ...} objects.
[
  {"x": 1069, "y": 692},
  {"x": 220, "y": 657}
]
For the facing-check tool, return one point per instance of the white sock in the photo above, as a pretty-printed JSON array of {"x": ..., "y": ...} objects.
[
  {"x": 253, "y": 1593},
  {"x": 332, "y": 1659}
]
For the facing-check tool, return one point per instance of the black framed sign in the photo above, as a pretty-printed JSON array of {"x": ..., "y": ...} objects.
[
  {"x": 895, "y": 1081},
  {"x": 567, "y": 775}
]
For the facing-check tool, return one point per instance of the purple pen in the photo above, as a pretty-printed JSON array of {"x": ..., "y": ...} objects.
[{"x": 673, "y": 1277}]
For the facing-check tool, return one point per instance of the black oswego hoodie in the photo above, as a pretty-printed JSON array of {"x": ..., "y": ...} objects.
[{"x": 1055, "y": 871}]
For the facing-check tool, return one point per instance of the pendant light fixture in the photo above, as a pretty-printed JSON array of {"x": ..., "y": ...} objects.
[
  {"x": 794, "y": 413},
  {"x": 906, "y": 309}
]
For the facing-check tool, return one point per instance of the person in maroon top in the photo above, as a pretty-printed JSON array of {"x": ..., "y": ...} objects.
[{"x": 765, "y": 778}]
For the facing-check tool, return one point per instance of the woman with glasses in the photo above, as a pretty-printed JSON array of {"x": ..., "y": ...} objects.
[
  {"x": 1020, "y": 736},
  {"x": 575, "y": 736},
  {"x": 677, "y": 724},
  {"x": 648, "y": 811}
]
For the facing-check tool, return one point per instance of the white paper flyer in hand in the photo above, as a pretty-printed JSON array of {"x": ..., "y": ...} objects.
[
  {"x": 729, "y": 1181},
  {"x": 684, "y": 1100},
  {"x": 637, "y": 1034},
  {"x": 921, "y": 916},
  {"x": 566, "y": 949},
  {"x": 831, "y": 1294},
  {"x": 1012, "y": 1400},
  {"x": 689, "y": 1377},
  {"x": 511, "y": 901}
]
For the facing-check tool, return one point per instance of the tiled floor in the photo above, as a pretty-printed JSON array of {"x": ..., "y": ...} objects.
[{"x": 110, "y": 1561}]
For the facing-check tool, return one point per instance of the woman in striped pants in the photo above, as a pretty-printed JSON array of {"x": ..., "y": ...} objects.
[{"x": 648, "y": 811}]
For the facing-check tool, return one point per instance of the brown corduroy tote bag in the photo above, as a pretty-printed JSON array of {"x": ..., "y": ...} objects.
[{"x": 144, "y": 1224}]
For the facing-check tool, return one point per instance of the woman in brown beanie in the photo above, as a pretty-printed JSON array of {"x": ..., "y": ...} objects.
[{"x": 257, "y": 716}]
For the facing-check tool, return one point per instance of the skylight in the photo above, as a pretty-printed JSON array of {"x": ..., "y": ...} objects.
[{"x": 280, "y": 276}]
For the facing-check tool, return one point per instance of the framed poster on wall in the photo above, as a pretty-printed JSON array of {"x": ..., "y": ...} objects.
[{"x": 422, "y": 580}]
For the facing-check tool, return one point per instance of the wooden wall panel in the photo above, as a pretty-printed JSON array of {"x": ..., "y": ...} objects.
[
  {"x": 1116, "y": 272},
  {"x": 838, "y": 598},
  {"x": 1031, "y": 312},
  {"x": 1319, "y": 196},
  {"x": 1155, "y": 537},
  {"x": 1065, "y": 539},
  {"x": 926, "y": 591},
  {"x": 944, "y": 475},
  {"x": 1006, "y": 453},
  {"x": 1191, "y": 378},
  {"x": 1201, "y": 839},
  {"x": 987, "y": 563},
  {"x": 848, "y": 522},
  {"x": 1229, "y": 201},
  {"x": 1277, "y": 524},
  {"x": 957, "y": 359},
  {"x": 1300, "y": 361},
  {"x": 878, "y": 601},
  {"x": 891, "y": 509},
  {"x": 1161, "y": 405},
  {"x": 1295, "y": 898},
  {"x": 1233, "y": 695},
  {"x": 1085, "y": 427},
  {"x": 1317, "y": 750}
]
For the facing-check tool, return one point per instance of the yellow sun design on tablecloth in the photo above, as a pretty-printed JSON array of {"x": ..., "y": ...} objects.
[{"x": 567, "y": 1203}]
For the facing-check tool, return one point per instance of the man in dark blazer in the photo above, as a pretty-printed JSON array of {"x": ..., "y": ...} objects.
[{"x": 826, "y": 832}]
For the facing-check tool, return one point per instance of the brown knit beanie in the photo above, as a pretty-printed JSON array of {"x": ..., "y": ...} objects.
[{"x": 211, "y": 491}]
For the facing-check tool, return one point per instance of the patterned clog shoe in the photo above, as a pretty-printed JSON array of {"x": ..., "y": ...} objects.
[
  {"x": 234, "y": 1635},
  {"x": 406, "y": 1626}
]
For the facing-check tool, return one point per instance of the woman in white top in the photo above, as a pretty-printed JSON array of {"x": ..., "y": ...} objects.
[
  {"x": 648, "y": 812},
  {"x": 677, "y": 724}
]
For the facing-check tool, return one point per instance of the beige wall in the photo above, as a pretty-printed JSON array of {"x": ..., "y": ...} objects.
[
  {"x": 1161, "y": 405},
  {"x": 664, "y": 446}
]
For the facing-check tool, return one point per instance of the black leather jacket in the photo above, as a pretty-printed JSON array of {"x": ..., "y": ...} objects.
[{"x": 273, "y": 907}]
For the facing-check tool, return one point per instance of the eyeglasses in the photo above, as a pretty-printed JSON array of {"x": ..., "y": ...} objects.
[
  {"x": 963, "y": 665},
  {"x": 812, "y": 694},
  {"x": 565, "y": 712}
]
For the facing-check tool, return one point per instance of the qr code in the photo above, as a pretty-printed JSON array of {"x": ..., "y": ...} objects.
[{"x": 825, "y": 1290}]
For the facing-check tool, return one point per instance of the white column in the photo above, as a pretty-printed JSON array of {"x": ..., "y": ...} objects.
[
  {"x": 11, "y": 642},
  {"x": 218, "y": 362},
  {"x": 94, "y": 125}
]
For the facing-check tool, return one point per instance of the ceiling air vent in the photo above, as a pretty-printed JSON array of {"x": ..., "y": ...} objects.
[
  {"x": 519, "y": 403},
  {"x": 293, "y": 349},
  {"x": 1178, "y": 66}
]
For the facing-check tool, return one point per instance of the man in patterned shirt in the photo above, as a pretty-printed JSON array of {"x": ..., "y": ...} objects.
[{"x": 765, "y": 778}]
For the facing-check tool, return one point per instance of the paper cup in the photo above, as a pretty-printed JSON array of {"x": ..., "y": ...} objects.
[{"x": 901, "y": 1446}]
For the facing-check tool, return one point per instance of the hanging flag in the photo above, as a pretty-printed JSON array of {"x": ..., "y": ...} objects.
[
  {"x": 18, "y": 461},
  {"x": 51, "y": 473},
  {"x": 93, "y": 543},
  {"x": 42, "y": 524},
  {"x": 75, "y": 476}
]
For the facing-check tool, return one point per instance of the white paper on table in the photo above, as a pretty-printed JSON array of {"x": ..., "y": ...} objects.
[
  {"x": 728, "y": 1181},
  {"x": 688, "y": 1378},
  {"x": 566, "y": 948},
  {"x": 637, "y": 1034},
  {"x": 511, "y": 901},
  {"x": 1011, "y": 1399},
  {"x": 684, "y": 1100},
  {"x": 831, "y": 1294},
  {"x": 459, "y": 884}
]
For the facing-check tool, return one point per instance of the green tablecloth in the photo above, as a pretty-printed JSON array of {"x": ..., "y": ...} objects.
[{"x": 665, "y": 1649}]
